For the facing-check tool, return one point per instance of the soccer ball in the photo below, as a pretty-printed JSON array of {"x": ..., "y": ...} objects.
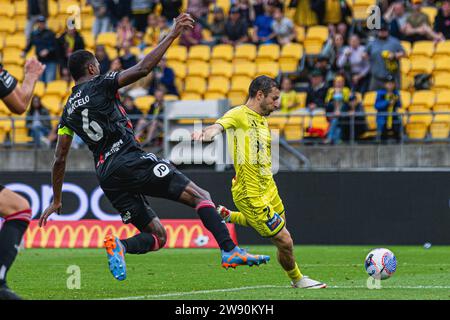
[{"x": 380, "y": 263}]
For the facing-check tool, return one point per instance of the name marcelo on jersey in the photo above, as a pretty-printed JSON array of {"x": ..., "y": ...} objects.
[{"x": 75, "y": 102}]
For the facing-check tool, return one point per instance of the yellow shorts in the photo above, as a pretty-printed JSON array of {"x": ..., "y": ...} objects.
[{"x": 264, "y": 214}]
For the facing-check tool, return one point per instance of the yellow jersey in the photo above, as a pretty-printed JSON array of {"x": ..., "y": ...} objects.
[{"x": 249, "y": 143}]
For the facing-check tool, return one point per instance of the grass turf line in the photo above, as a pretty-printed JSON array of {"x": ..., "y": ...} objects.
[{"x": 196, "y": 274}]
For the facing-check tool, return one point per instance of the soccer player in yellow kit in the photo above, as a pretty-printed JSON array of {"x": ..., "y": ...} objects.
[{"x": 255, "y": 193}]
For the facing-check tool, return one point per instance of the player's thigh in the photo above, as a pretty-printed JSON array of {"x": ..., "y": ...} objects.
[
  {"x": 277, "y": 204},
  {"x": 261, "y": 216},
  {"x": 133, "y": 208},
  {"x": 11, "y": 202}
]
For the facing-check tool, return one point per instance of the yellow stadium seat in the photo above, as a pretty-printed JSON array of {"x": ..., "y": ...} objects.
[
  {"x": 441, "y": 81},
  {"x": 179, "y": 68},
  {"x": 360, "y": 8},
  {"x": 300, "y": 33},
  {"x": 222, "y": 52},
  {"x": 8, "y": 26},
  {"x": 440, "y": 130},
  {"x": 53, "y": 8},
  {"x": 54, "y": 24},
  {"x": 20, "y": 132},
  {"x": 371, "y": 117},
  {"x": 268, "y": 53},
  {"x": 214, "y": 96},
  {"x": 314, "y": 40},
  {"x": 416, "y": 130},
  {"x": 420, "y": 114},
  {"x": 245, "y": 69},
  {"x": 4, "y": 109},
  {"x": 144, "y": 103},
  {"x": 15, "y": 70},
  {"x": 12, "y": 56},
  {"x": 405, "y": 65},
  {"x": 406, "y": 46},
  {"x": 21, "y": 23},
  {"x": 57, "y": 87},
  {"x": 290, "y": 57},
  {"x": 199, "y": 53},
  {"x": 65, "y": 6},
  {"x": 39, "y": 89},
  {"x": 198, "y": 68},
  {"x": 107, "y": 39},
  {"x": 218, "y": 85},
  {"x": 224, "y": 4},
  {"x": 111, "y": 52},
  {"x": 277, "y": 122},
  {"x": 405, "y": 99},
  {"x": 431, "y": 12},
  {"x": 245, "y": 52},
  {"x": 52, "y": 103},
  {"x": 442, "y": 100},
  {"x": 170, "y": 97},
  {"x": 442, "y": 49},
  {"x": 422, "y": 99},
  {"x": 221, "y": 68},
  {"x": 238, "y": 90},
  {"x": 178, "y": 53},
  {"x": 301, "y": 99},
  {"x": 270, "y": 69},
  {"x": 319, "y": 121},
  {"x": 206, "y": 35},
  {"x": 87, "y": 22},
  {"x": 7, "y": 10},
  {"x": 16, "y": 41},
  {"x": 441, "y": 65},
  {"x": 421, "y": 65},
  {"x": 191, "y": 96},
  {"x": 195, "y": 85},
  {"x": 20, "y": 8},
  {"x": 422, "y": 49},
  {"x": 294, "y": 128}
]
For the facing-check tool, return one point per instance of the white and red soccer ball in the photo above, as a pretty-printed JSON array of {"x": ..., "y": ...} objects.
[{"x": 380, "y": 263}]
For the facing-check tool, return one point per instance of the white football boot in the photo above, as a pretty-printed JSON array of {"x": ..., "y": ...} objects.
[{"x": 307, "y": 283}]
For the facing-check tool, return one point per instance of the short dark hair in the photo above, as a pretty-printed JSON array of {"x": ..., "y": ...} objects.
[
  {"x": 263, "y": 83},
  {"x": 78, "y": 62}
]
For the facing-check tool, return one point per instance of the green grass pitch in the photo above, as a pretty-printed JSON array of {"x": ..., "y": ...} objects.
[{"x": 196, "y": 274}]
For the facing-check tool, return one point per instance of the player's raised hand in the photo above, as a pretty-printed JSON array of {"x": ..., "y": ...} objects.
[
  {"x": 197, "y": 135},
  {"x": 182, "y": 22},
  {"x": 53, "y": 208},
  {"x": 34, "y": 67}
]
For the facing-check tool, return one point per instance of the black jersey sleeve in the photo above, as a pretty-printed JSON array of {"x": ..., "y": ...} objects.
[
  {"x": 108, "y": 84},
  {"x": 7, "y": 83}
]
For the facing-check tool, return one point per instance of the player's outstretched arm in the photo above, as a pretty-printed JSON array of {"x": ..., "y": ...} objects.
[
  {"x": 59, "y": 168},
  {"x": 208, "y": 133},
  {"x": 19, "y": 99},
  {"x": 146, "y": 65}
]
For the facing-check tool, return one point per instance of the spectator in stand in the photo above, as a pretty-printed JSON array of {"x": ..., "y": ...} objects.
[
  {"x": 171, "y": 9},
  {"x": 163, "y": 75},
  {"x": 353, "y": 124},
  {"x": 304, "y": 12},
  {"x": 247, "y": 10},
  {"x": 140, "y": 9},
  {"x": 102, "y": 21},
  {"x": 163, "y": 28},
  {"x": 127, "y": 59},
  {"x": 388, "y": 101},
  {"x": 396, "y": 15},
  {"x": 283, "y": 28},
  {"x": 103, "y": 59},
  {"x": 153, "y": 123},
  {"x": 116, "y": 65},
  {"x": 288, "y": 96},
  {"x": 38, "y": 122},
  {"x": 70, "y": 41},
  {"x": 355, "y": 65},
  {"x": 418, "y": 25},
  {"x": 384, "y": 55},
  {"x": 317, "y": 91},
  {"x": 333, "y": 49},
  {"x": 117, "y": 9},
  {"x": 323, "y": 65},
  {"x": 46, "y": 48},
  {"x": 35, "y": 9},
  {"x": 199, "y": 9},
  {"x": 152, "y": 32},
  {"x": 132, "y": 111},
  {"x": 236, "y": 29},
  {"x": 66, "y": 76},
  {"x": 337, "y": 97},
  {"x": 262, "y": 28},
  {"x": 217, "y": 26},
  {"x": 191, "y": 37},
  {"x": 332, "y": 12},
  {"x": 442, "y": 20},
  {"x": 125, "y": 32}
]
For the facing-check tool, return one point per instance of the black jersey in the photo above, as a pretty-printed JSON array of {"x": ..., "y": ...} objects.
[
  {"x": 7, "y": 82},
  {"x": 94, "y": 112}
]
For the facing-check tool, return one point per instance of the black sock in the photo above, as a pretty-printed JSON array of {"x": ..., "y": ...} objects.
[
  {"x": 206, "y": 210},
  {"x": 10, "y": 238},
  {"x": 140, "y": 243}
]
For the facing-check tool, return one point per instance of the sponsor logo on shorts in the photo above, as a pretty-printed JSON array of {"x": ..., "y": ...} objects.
[
  {"x": 161, "y": 170},
  {"x": 274, "y": 222}
]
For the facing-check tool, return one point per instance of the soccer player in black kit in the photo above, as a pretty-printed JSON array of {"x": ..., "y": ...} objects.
[
  {"x": 14, "y": 208},
  {"x": 125, "y": 172}
]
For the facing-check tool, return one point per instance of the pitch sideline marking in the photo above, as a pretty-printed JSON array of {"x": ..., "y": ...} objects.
[{"x": 187, "y": 293}]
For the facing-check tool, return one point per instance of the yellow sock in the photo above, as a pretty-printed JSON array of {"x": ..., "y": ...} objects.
[
  {"x": 237, "y": 217},
  {"x": 295, "y": 273}
]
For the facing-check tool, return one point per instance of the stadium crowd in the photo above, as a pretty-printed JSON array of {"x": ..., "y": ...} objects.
[{"x": 351, "y": 62}]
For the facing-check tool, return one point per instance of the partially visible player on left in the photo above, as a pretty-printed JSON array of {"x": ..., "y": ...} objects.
[{"x": 14, "y": 208}]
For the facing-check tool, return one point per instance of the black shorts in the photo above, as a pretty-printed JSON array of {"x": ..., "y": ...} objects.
[{"x": 128, "y": 185}]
